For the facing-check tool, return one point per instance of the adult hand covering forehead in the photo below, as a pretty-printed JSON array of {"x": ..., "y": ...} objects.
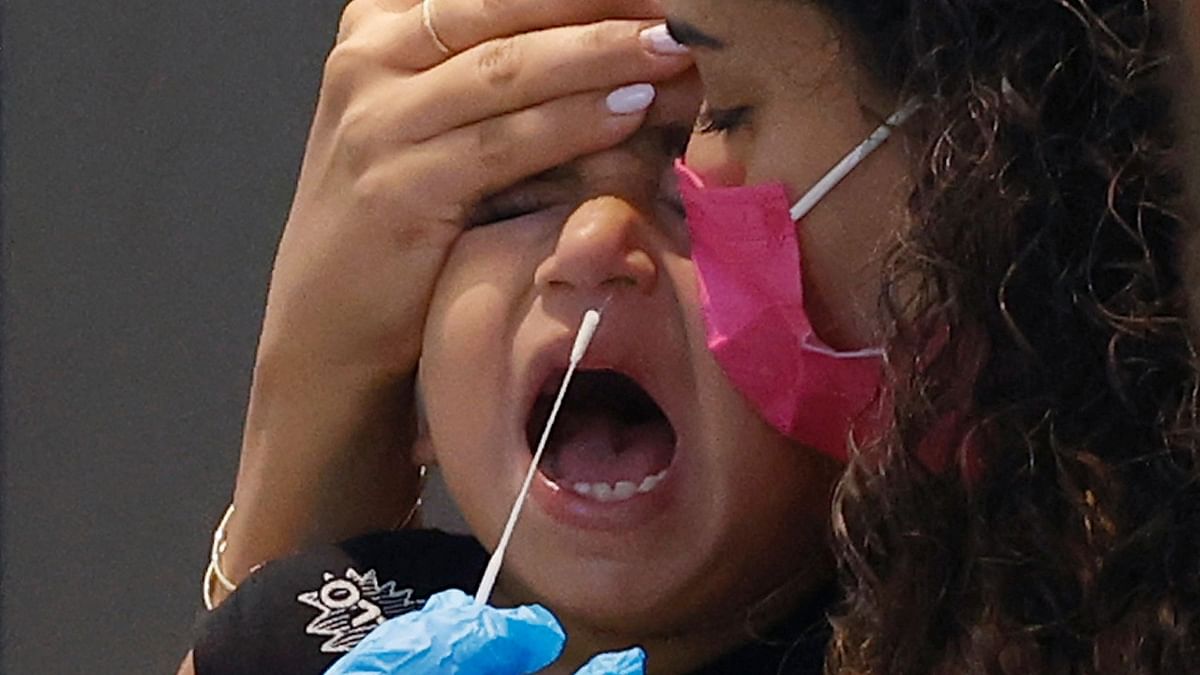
[{"x": 452, "y": 634}]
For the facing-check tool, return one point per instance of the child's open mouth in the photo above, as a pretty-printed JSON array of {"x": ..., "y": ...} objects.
[{"x": 611, "y": 442}]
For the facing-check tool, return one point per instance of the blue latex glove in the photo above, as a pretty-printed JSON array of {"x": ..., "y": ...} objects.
[
  {"x": 451, "y": 634},
  {"x": 631, "y": 662}
]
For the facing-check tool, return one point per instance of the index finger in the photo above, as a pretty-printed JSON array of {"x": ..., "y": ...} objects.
[{"x": 462, "y": 24}]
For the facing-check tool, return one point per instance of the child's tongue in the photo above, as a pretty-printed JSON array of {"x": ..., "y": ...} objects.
[{"x": 591, "y": 446}]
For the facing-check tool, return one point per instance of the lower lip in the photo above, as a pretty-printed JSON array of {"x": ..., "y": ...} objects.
[{"x": 577, "y": 511}]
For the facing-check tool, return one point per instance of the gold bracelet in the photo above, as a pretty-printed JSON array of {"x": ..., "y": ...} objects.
[{"x": 214, "y": 575}]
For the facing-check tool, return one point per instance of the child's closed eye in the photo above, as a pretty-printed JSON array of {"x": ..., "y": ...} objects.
[{"x": 518, "y": 202}]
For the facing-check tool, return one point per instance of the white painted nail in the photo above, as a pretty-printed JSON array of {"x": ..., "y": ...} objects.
[
  {"x": 658, "y": 40},
  {"x": 631, "y": 99}
]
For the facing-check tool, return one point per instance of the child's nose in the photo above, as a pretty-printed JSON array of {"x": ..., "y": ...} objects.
[{"x": 599, "y": 249}]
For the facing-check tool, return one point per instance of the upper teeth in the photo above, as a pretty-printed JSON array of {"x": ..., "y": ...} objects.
[{"x": 619, "y": 492}]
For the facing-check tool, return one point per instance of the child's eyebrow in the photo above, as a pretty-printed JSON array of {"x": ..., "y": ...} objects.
[
  {"x": 563, "y": 173},
  {"x": 667, "y": 141}
]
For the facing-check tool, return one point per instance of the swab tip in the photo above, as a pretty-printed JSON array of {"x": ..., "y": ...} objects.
[{"x": 587, "y": 331}]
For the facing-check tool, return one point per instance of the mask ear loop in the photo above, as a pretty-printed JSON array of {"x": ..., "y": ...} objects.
[
  {"x": 587, "y": 331},
  {"x": 851, "y": 161}
]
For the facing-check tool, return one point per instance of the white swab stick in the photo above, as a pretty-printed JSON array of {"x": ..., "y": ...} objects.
[
  {"x": 852, "y": 160},
  {"x": 583, "y": 340}
]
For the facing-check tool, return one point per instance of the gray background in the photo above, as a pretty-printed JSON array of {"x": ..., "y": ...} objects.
[{"x": 149, "y": 158}]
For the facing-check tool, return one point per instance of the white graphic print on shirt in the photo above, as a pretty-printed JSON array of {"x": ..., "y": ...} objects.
[{"x": 353, "y": 605}]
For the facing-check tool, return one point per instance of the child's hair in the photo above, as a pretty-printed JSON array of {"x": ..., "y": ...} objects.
[{"x": 1037, "y": 299}]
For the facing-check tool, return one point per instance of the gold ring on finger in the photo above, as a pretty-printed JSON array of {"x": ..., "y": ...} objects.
[{"x": 427, "y": 21}]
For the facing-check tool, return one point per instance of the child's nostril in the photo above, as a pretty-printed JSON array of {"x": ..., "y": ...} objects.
[{"x": 620, "y": 281}]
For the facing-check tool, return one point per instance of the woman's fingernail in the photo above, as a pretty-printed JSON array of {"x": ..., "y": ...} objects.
[
  {"x": 658, "y": 40},
  {"x": 631, "y": 99}
]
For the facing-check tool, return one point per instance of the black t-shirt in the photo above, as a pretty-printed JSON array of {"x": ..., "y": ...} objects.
[{"x": 300, "y": 614}]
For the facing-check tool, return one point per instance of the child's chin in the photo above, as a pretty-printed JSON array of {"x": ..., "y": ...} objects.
[
  {"x": 617, "y": 604},
  {"x": 618, "y": 613}
]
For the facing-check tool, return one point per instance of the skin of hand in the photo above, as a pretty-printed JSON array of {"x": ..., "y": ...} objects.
[{"x": 404, "y": 142}]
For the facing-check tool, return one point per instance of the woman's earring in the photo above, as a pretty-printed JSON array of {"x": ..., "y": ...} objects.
[{"x": 416, "y": 507}]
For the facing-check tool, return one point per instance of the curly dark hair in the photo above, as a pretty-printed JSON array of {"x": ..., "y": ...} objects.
[{"x": 1038, "y": 337}]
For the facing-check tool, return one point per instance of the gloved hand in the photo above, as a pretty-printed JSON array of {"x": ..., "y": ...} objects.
[
  {"x": 630, "y": 662},
  {"x": 451, "y": 635}
]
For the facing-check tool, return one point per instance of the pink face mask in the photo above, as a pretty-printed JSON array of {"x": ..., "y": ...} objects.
[{"x": 748, "y": 258}]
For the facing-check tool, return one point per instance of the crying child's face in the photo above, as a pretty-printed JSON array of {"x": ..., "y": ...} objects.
[{"x": 663, "y": 504}]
